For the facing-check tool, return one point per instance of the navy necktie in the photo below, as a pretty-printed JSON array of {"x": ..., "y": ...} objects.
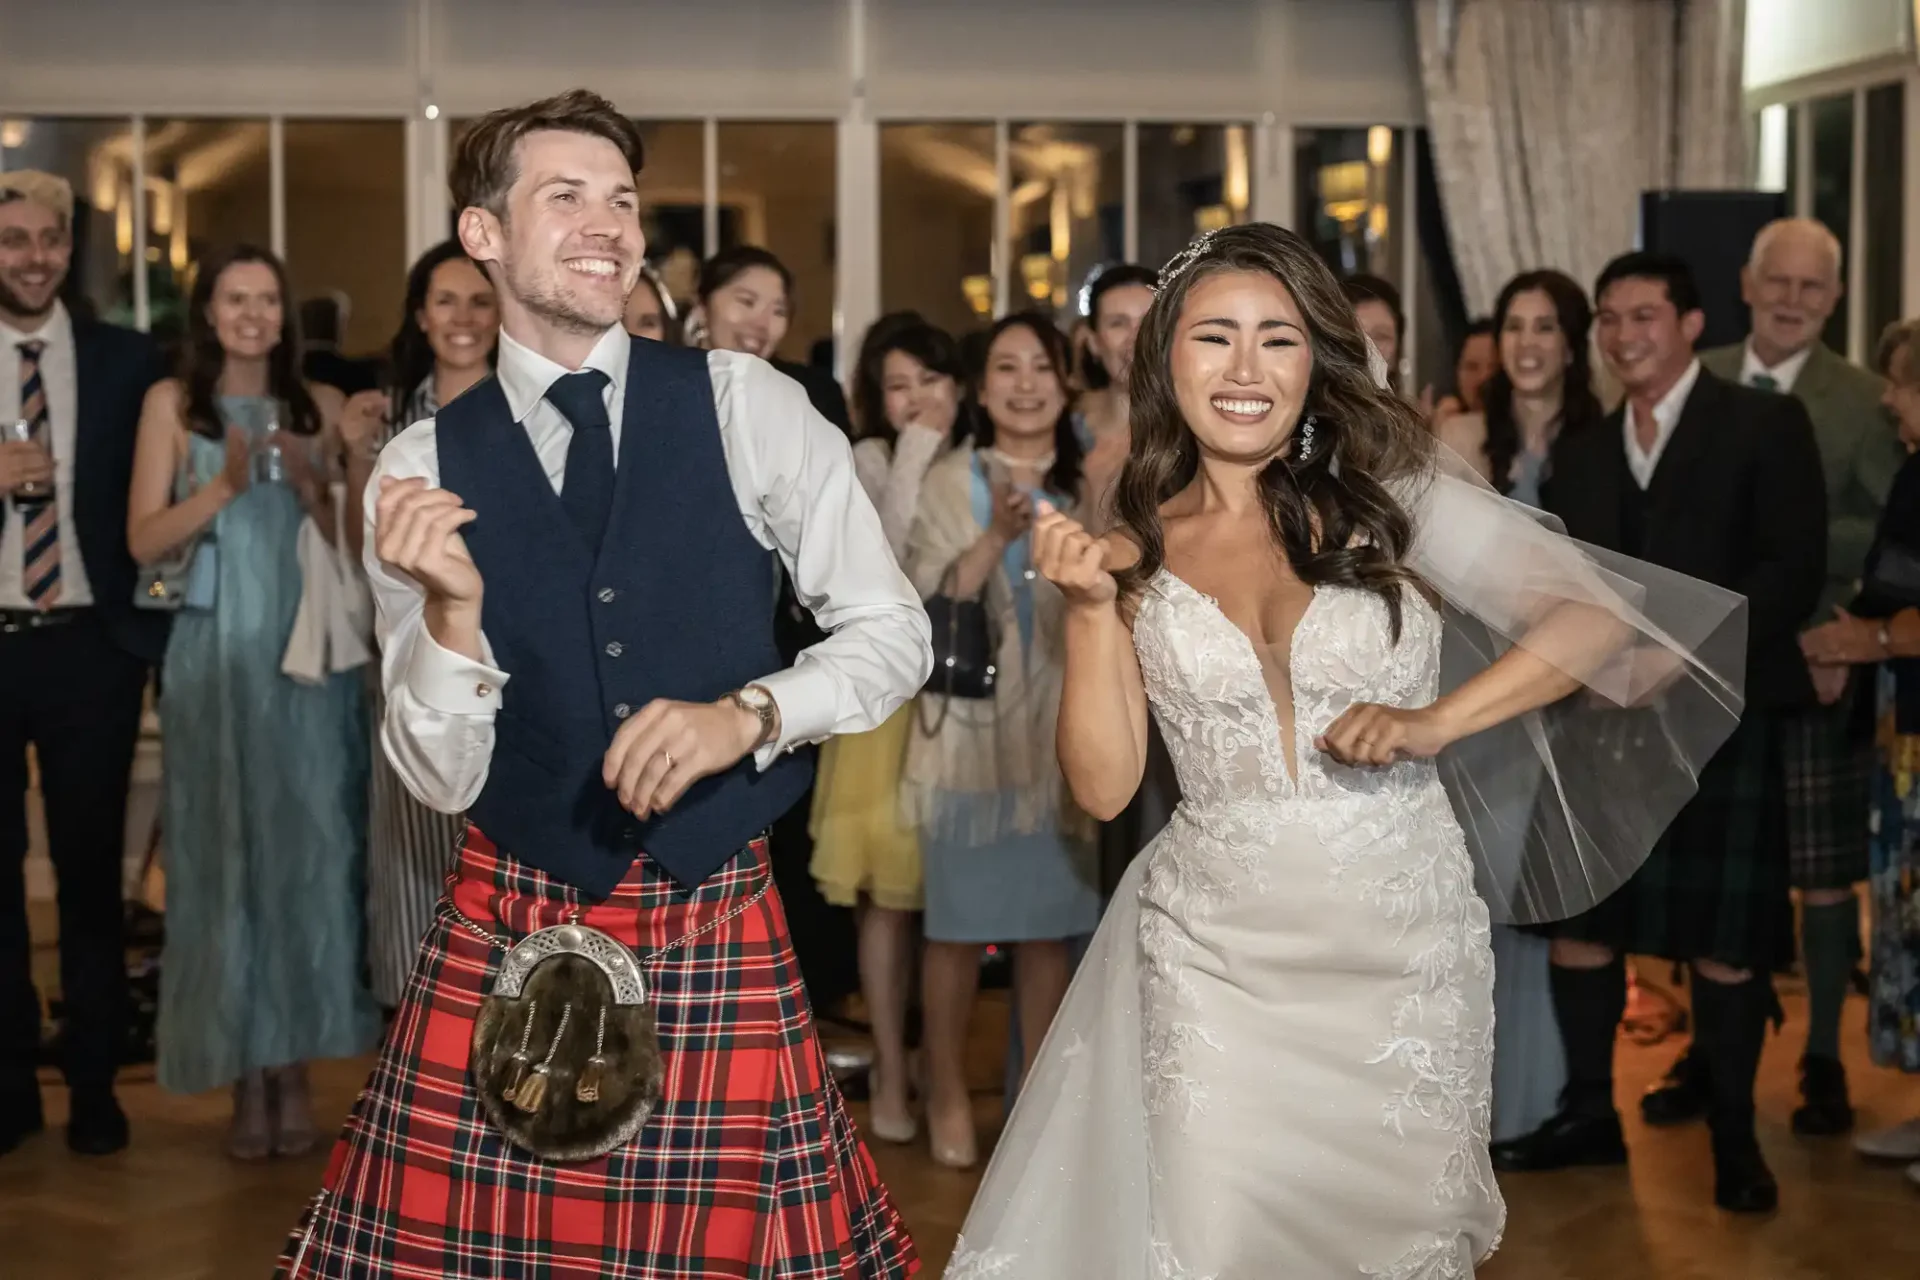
[{"x": 587, "y": 490}]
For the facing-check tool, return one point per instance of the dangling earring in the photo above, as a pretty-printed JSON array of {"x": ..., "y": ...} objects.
[{"x": 1306, "y": 440}]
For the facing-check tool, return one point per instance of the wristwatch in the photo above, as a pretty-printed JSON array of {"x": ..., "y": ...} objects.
[{"x": 756, "y": 699}]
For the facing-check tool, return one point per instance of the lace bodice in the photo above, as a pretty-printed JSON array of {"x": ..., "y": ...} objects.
[{"x": 1212, "y": 703}]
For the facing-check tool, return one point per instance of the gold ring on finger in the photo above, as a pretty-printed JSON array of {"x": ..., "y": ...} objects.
[{"x": 668, "y": 756}]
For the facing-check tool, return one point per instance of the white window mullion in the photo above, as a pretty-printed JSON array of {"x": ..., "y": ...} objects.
[
  {"x": 1130, "y": 211},
  {"x": 710, "y": 187},
  {"x": 1858, "y": 339},
  {"x": 1002, "y": 263},
  {"x": 277, "y": 186},
  {"x": 142, "y": 302}
]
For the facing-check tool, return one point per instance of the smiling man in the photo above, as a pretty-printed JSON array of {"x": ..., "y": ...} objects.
[
  {"x": 1722, "y": 483},
  {"x": 575, "y": 610}
]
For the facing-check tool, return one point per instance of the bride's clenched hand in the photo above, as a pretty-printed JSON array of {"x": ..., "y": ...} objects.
[
  {"x": 1370, "y": 734},
  {"x": 1072, "y": 559}
]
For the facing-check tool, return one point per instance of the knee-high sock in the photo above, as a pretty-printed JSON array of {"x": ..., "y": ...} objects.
[
  {"x": 1734, "y": 1017},
  {"x": 1830, "y": 935},
  {"x": 1588, "y": 1004}
]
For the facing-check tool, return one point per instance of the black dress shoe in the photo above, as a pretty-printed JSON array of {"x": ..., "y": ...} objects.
[
  {"x": 1566, "y": 1140},
  {"x": 97, "y": 1127},
  {"x": 1827, "y": 1110},
  {"x": 1742, "y": 1183},
  {"x": 1682, "y": 1096},
  {"x": 20, "y": 1119}
]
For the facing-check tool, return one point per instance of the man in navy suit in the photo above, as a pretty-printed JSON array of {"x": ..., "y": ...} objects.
[{"x": 74, "y": 655}]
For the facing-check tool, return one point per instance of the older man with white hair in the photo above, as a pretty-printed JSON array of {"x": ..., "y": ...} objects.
[{"x": 1791, "y": 284}]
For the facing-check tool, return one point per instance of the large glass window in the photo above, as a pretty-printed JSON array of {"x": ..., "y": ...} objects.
[
  {"x": 1886, "y": 195},
  {"x": 347, "y": 226},
  {"x": 1349, "y": 192},
  {"x": 777, "y": 191},
  {"x": 96, "y": 156},
  {"x": 673, "y": 201},
  {"x": 1066, "y": 209},
  {"x": 1192, "y": 178},
  {"x": 1831, "y": 122},
  {"x": 937, "y": 251},
  {"x": 209, "y": 187}
]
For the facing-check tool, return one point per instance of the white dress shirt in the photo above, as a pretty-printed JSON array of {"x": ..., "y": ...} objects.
[
  {"x": 59, "y": 374},
  {"x": 794, "y": 483},
  {"x": 1666, "y": 416},
  {"x": 1784, "y": 374}
]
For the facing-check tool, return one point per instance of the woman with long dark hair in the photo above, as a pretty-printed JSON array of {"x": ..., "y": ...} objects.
[
  {"x": 1275, "y": 1058},
  {"x": 909, "y": 392},
  {"x": 1544, "y": 385},
  {"x": 449, "y": 332},
  {"x": 266, "y": 778},
  {"x": 1008, "y": 859}
]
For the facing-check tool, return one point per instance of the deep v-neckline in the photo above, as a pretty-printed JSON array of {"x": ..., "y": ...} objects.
[{"x": 1251, "y": 648}]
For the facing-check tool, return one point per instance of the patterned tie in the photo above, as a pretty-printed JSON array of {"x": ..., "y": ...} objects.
[
  {"x": 587, "y": 490},
  {"x": 40, "y": 561},
  {"x": 1765, "y": 382}
]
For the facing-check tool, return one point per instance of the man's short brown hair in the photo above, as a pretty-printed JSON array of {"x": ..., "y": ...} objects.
[{"x": 486, "y": 164}]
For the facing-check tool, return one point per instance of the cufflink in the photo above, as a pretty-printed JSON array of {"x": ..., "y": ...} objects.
[{"x": 483, "y": 691}]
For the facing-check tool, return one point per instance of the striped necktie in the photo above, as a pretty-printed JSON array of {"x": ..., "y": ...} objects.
[{"x": 40, "y": 562}]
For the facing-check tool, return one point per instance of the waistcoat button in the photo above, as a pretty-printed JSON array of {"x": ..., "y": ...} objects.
[
  {"x": 615, "y": 648},
  {"x": 622, "y": 711},
  {"x": 606, "y": 595}
]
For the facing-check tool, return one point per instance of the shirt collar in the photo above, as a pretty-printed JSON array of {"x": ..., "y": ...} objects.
[
  {"x": 1785, "y": 374},
  {"x": 525, "y": 374},
  {"x": 56, "y": 332}
]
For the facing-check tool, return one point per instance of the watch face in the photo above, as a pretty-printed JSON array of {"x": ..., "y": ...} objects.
[{"x": 756, "y": 699}]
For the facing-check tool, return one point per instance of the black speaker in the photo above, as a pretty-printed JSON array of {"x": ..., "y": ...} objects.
[{"x": 1713, "y": 231}]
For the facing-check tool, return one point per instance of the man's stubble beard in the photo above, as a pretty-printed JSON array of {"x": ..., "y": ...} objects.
[
  {"x": 545, "y": 298},
  {"x": 13, "y": 304}
]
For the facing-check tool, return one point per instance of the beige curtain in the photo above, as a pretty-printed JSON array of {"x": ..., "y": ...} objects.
[{"x": 1548, "y": 119}]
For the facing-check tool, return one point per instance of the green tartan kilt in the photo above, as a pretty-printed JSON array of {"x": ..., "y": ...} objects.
[
  {"x": 1828, "y": 772},
  {"x": 1716, "y": 884}
]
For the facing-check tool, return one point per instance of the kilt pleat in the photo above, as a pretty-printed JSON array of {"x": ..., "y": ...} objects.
[
  {"x": 750, "y": 1167},
  {"x": 1829, "y": 769}
]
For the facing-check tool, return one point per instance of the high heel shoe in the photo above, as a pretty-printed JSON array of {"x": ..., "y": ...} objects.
[
  {"x": 293, "y": 1132},
  {"x": 251, "y": 1136}
]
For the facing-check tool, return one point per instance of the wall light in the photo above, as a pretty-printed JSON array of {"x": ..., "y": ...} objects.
[
  {"x": 1380, "y": 144},
  {"x": 433, "y": 112}
]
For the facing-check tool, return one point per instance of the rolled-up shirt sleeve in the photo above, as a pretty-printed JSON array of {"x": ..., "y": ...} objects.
[
  {"x": 437, "y": 730},
  {"x": 794, "y": 478}
]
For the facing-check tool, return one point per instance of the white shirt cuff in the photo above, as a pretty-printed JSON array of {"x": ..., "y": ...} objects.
[
  {"x": 451, "y": 684},
  {"x": 808, "y": 709}
]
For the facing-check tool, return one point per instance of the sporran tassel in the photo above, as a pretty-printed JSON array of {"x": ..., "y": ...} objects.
[
  {"x": 520, "y": 1058},
  {"x": 588, "y": 1087},
  {"x": 532, "y": 1093}
]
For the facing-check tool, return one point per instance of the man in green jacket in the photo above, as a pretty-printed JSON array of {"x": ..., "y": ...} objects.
[{"x": 1791, "y": 284}]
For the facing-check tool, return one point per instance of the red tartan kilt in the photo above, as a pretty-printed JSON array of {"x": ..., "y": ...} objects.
[{"x": 749, "y": 1167}]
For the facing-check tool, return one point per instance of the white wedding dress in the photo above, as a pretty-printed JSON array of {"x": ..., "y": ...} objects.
[{"x": 1303, "y": 972}]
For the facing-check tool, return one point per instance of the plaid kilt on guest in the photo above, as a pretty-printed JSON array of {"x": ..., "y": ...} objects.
[
  {"x": 1829, "y": 783},
  {"x": 1715, "y": 887},
  {"x": 750, "y": 1166}
]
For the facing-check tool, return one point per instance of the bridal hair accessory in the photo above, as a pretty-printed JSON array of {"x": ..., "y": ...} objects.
[{"x": 1180, "y": 261}]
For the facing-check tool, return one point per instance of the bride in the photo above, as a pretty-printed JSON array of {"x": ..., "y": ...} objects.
[{"x": 1275, "y": 1059}]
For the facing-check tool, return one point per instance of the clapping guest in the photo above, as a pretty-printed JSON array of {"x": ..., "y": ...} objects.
[
  {"x": 448, "y": 333},
  {"x": 266, "y": 777},
  {"x": 74, "y": 657},
  {"x": 909, "y": 387},
  {"x": 1008, "y": 858}
]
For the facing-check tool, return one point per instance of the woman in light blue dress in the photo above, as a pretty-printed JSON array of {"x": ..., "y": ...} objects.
[
  {"x": 1543, "y": 387},
  {"x": 265, "y": 781},
  {"x": 1007, "y": 857}
]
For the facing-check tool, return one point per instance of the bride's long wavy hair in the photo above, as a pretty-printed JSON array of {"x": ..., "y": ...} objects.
[{"x": 1329, "y": 513}]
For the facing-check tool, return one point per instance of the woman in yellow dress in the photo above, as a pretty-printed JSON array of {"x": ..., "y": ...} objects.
[{"x": 907, "y": 398}]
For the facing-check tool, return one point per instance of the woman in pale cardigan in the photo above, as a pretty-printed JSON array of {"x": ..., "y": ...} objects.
[{"x": 1007, "y": 858}]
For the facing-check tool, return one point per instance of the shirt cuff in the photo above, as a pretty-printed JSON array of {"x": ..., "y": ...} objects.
[
  {"x": 808, "y": 710},
  {"x": 451, "y": 684}
]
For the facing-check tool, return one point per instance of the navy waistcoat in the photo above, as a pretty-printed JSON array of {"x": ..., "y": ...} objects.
[{"x": 677, "y": 602}]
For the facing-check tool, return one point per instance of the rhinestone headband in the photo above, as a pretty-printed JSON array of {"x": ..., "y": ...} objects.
[{"x": 1195, "y": 250}]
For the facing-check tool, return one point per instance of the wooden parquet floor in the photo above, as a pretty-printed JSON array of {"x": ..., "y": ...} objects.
[{"x": 173, "y": 1207}]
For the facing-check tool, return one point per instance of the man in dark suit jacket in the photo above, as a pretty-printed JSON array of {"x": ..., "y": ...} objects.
[
  {"x": 74, "y": 656},
  {"x": 1721, "y": 483}
]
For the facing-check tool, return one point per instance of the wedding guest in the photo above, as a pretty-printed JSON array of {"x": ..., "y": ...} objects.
[
  {"x": 266, "y": 778},
  {"x": 1473, "y": 363},
  {"x": 650, "y": 310},
  {"x": 1007, "y": 856},
  {"x": 74, "y": 657},
  {"x": 1376, "y": 304}
]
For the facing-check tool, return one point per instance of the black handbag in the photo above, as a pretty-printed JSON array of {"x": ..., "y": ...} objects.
[{"x": 963, "y": 649}]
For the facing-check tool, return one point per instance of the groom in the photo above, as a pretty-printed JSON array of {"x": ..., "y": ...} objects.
[{"x": 578, "y": 648}]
